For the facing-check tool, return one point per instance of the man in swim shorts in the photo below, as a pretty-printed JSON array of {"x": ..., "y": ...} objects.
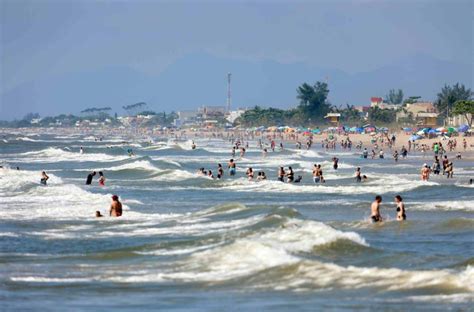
[
  {"x": 375, "y": 210},
  {"x": 231, "y": 165}
]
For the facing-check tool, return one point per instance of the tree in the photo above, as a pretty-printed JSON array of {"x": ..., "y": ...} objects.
[
  {"x": 350, "y": 114},
  {"x": 450, "y": 95},
  {"x": 411, "y": 100},
  {"x": 132, "y": 109},
  {"x": 465, "y": 108},
  {"x": 394, "y": 97},
  {"x": 30, "y": 116},
  {"x": 313, "y": 100},
  {"x": 376, "y": 114}
]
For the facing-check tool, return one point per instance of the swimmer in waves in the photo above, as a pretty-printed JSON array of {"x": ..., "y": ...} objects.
[
  {"x": 44, "y": 178},
  {"x": 375, "y": 210}
]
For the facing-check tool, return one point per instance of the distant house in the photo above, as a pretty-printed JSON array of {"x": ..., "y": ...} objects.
[
  {"x": 426, "y": 120},
  {"x": 375, "y": 101},
  {"x": 415, "y": 109},
  {"x": 378, "y": 102},
  {"x": 186, "y": 118},
  {"x": 458, "y": 120},
  {"x": 212, "y": 111},
  {"x": 333, "y": 118},
  {"x": 363, "y": 111}
]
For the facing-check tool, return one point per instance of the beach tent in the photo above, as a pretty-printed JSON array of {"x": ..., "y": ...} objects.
[{"x": 463, "y": 128}]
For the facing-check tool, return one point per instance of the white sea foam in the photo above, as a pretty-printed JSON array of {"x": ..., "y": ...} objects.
[{"x": 52, "y": 154}]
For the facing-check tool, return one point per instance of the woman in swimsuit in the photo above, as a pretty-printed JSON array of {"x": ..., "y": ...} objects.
[
  {"x": 101, "y": 179},
  {"x": 400, "y": 208}
]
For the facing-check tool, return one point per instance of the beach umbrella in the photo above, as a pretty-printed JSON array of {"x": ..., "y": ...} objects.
[
  {"x": 463, "y": 128},
  {"x": 407, "y": 129},
  {"x": 451, "y": 130},
  {"x": 415, "y": 137},
  {"x": 316, "y": 131}
]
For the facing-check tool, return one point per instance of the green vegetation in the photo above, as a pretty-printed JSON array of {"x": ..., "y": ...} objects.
[
  {"x": 450, "y": 95},
  {"x": 394, "y": 97},
  {"x": 465, "y": 108},
  {"x": 312, "y": 108},
  {"x": 386, "y": 116}
]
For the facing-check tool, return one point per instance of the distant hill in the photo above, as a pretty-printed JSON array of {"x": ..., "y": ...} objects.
[{"x": 200, "y": 79}]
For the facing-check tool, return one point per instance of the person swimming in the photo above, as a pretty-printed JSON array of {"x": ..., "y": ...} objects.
[
  {"x": 400, "y": 208},
  {"x": 98, "y": 214},
  {"x": 375, "y": 210},
  {"x": 44, "y": 178}
]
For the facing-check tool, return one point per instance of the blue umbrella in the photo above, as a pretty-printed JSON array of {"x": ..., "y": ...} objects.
[
  {"x": 463, "y": 128},
  {"x": 415, "y": 137}
]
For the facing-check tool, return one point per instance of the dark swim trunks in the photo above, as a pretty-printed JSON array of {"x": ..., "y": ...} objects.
[{"x": 375, "y": 219}]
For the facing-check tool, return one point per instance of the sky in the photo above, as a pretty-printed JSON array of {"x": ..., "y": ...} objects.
[{"x": 42, "y": 39}]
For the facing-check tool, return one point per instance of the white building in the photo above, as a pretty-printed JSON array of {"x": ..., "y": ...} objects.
[{"x": 233, "y": 115}]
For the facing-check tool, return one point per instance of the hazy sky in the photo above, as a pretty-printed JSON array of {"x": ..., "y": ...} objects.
[{"x": 42, "y": 37}]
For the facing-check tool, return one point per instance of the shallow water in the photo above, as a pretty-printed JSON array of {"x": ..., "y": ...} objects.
[{"x": 192, "y": 243}]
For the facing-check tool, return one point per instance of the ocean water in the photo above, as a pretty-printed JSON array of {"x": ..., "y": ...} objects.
[{"x": 190, "y": 243}]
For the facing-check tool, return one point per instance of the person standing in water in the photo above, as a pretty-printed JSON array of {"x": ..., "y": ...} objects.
[
  {"x": 425, "y": 172},
  {"x": 395, "y": 156},
  {"x": 281, "y": 174},
  {"x": 231, "y": 165},
  {"x": 358, "y": 176},
  {"x": 81, "y": 150},
  {"x": 401, "y": 216},
  {"x": 90, "y": 176},
  {"x": 220, "y": 171},
  {"x": 290, "y": 175},
  {"x": 335, "y": 163},
  {"x": 249, "y": 173},
  {"x": 44, "y": 178},
  {"x": 101, "y": 179},
  {"x": 115, "y": 207},
  {"x": 375, "y": 210}
]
